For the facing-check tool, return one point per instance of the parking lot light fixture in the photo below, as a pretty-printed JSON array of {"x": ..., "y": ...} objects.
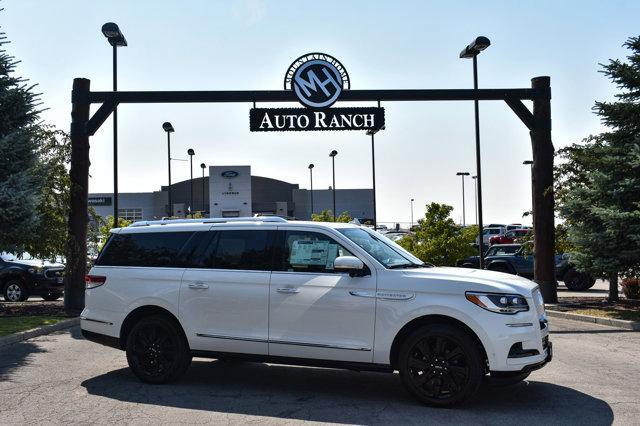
[
  {"x": 472, "y": 51},
  {"x": 204, "y": 207},
  {"x": 530, "y": 164},
  {"x": 167, "y": 127},
  {"x": 462, "y": 175},
  {"x": 475, "y": 182},
  {"x": 372, "y": 132},
  {"x": 116, "y": 39},
  {"x": 311, "y": 166},
  {"x": 411, "y": 215},
  {"x": 333, "y": 154},
  {"x": 191, "y": 153}
]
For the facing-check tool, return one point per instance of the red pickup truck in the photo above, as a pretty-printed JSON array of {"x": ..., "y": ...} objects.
[{"x": 509, "y": 237}]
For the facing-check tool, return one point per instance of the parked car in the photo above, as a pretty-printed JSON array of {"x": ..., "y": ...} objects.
[
  {"x": 24, "y": 276},
  {"x": 489, "y": 232},
  {"x": 521, "y": 263},
  {"x": 322, "y": 294},
  {"x": 510, "y": 237},
  {"x": 495, "y": 250},
  {"x": 396, "y": 236},
  {"x": 495, "y": 225}
]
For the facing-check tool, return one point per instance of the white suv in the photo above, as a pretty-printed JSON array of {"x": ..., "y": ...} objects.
[{"x": 309, "y": 293}]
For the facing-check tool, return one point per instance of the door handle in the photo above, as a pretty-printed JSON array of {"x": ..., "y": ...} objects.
[
  {"x": 288, "y": 290},
  {"x": 198, "y": 285}
]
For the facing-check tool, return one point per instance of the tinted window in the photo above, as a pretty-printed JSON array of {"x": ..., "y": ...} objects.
[
  {"x": 247, "y": 250},
  {"x": 303, "y": 251},
  {"x": 158, "y": 249}
]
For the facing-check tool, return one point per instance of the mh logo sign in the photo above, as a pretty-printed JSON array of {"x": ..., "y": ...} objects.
[{"x": 317, "y": 79}]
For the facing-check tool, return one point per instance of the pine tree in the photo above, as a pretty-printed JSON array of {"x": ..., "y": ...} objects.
[
  {"x": 20, "y": 183},
  {"x": 598, "y": 184}
]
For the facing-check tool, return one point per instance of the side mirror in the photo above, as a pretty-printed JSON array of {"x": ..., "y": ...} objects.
[{"x": 350, "y": 264}]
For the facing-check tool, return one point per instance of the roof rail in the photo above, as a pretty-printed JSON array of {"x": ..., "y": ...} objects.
[{"x": 209, "y": 220}]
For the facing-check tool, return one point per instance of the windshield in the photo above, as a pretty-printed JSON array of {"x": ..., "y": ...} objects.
[{"x": 381, "y": 248}]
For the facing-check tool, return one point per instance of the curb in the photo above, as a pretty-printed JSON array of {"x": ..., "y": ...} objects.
[
  {"x": 628, "y": 325},
  {"x": 39, "y": 331}
]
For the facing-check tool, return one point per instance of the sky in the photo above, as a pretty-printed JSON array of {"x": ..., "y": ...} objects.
[{"x": 249, "y": 44}]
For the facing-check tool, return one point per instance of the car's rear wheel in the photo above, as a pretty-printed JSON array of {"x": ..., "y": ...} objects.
[
  {"x": 15, "y": 290},
  {"x": 441, "y": 365},
  {"x": 157, "y": 351},
  {"x": 51, "y": 296},
  {"x": 578, "y": 281}
]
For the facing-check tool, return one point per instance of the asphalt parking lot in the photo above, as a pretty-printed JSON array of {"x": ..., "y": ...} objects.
[{"x": 61, "y": 378}]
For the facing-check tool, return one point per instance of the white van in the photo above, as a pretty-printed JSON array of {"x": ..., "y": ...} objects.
[{"x": 309, "y": 293}]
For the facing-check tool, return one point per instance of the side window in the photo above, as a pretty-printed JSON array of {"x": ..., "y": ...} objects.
[
  {"x": 304, "y": 251},
  {"x": 157, "y": 249},
  {"x": 241, "y": 249}
]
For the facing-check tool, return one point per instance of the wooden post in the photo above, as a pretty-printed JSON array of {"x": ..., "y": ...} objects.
[
  {"x": 543, "y": 199},
  {"x": 77, "y": 225}
]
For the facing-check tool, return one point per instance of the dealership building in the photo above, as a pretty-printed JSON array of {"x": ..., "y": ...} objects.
[{"x": 231, "y": 191}]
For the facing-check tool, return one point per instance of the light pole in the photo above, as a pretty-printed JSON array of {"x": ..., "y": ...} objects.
[
  {"x": 462, "y": 175},
  {"x": 311, "y": 179},
  {"x": 372, "y": 133},
  {"x": 476, "y": 197},
  {"x": 472, "y": 51},
  {"x": 167, "y": 127},
  {"x": 530, "y": 164},
  {"x": 116, "y": 39},
  {"x": 204, "y": 207},
  {"x": 333, "y": 154},
  {"x": 411, "y": 215},
  {"x": 191, "y": 153}
]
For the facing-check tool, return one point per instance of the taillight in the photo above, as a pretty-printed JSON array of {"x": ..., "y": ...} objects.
[{"x": 93, "y": 281}]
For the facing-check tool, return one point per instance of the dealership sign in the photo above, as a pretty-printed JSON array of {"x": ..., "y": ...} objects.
[{"x": 318, "y": 80}]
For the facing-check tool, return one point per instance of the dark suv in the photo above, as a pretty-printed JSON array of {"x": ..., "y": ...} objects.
[
  {"x": 26, "y": 276},
  {"x": 521, "y": 263}
]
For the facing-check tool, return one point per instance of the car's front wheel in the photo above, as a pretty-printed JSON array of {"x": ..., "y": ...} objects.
[
  {"x": 157, "y": 351},
  {"x": 15, "y": 290},
  {"x": 441, "y": 365},
  {"x": 578, "y": 281}
]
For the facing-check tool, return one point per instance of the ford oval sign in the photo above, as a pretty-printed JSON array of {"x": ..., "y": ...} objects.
[
  {"x": 229, "y": 174},
  {"x": 317, "y": 79}
]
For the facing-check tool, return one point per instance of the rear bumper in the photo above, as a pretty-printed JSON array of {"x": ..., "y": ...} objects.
[
  {"x": 42, "y": 285},
  {"x": 102, "y": 339}
]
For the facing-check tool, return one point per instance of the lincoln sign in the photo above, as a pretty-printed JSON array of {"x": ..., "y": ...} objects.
[{"x": 317, "y": 79}]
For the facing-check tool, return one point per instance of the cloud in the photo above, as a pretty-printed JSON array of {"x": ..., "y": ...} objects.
[{"x": 250, "y": 12}]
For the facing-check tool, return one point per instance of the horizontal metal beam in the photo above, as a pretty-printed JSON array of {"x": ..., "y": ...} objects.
[{"x": 289, "y": 96}]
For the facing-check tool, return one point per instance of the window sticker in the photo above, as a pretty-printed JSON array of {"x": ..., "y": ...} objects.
[
  {"x": 305, "y": 252},
  {"x": 332, "y": 253}
]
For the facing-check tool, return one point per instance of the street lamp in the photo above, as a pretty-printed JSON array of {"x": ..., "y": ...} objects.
[
  {"x": 311, "y": 178},
  {"x": 472, "y": 51},
  {"x": 116, "y": 39},
  {"x": 530, "y": 164},
  {"x": 204, "y": 208},
  {"x": 372, "y": 133},
  {"x": 462, "y": 175},
  {"x": 191, "y": 153},
  {"x": 333, "y": 154},
  {"x": 411, "y": 215},
  {"x": 476, "y": 197},
  {"x": 167, "y": 127}
]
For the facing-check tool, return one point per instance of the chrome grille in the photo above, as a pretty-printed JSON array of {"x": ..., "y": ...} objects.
[{"x": 54, "y": 273}]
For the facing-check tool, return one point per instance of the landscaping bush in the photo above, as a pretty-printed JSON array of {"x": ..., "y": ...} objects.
[{"x": 631, "y": 288}]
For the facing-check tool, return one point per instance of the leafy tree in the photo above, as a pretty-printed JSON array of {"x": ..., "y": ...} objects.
[
  {"x": 598, "y": 184},
  {"x": 105, "y": 226},
  {"x": 20, "y": 183},
  {"x": 327, "y": 216},
  {"x": 437, "y": 239}
]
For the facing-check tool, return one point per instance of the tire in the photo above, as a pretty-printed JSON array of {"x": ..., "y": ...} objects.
[
  {"x": 501, "y": 379},
  {"x": 15, "y": 290},
  {"x": 577, "y": 281},
  {"x": 501, "y": 267},
  {"x": 441, "y": 365},
  {"x": 157, "y": 351},
  {"x": 51, "y": 296}
]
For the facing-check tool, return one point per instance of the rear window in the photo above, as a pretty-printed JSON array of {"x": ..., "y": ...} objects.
[{"x": 158, "y": 249}]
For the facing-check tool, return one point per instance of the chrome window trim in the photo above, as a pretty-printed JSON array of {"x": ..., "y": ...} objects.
[{"x": 284, "y": 342}]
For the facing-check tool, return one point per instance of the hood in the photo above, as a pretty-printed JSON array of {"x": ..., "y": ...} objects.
[
  {"x": 456, "y": 280},
  {"x": 36, "y": 262}
]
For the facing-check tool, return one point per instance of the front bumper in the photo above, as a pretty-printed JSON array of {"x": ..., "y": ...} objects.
[{"x": 42, "y": 284}]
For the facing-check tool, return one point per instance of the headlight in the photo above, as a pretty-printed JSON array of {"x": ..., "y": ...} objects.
[
  {"x": 35, "y": 270},
  {"x": 498, "y": 302}
]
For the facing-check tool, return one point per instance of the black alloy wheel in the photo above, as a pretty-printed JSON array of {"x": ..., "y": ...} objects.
[
  {"x": 157, "y": 351},
  {"x": 440, "y": 365}
]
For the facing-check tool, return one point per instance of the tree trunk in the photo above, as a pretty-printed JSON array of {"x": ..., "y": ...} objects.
[
  {"x": 76, "y": 265},
  {"x": 613, "y": 288}
]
